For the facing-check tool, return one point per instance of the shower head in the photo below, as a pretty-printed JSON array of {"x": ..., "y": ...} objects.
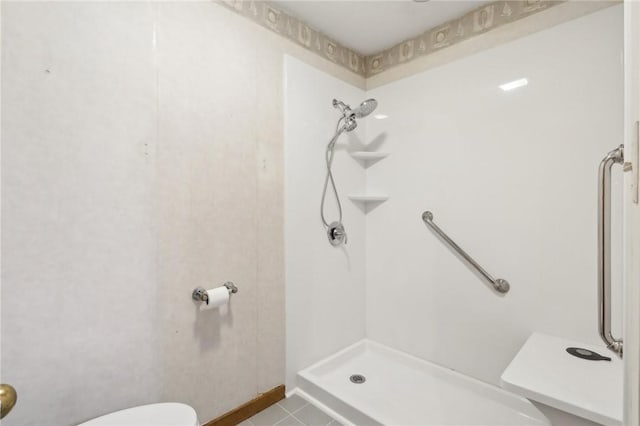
[
  {"x": 350, "y": 115},
  {"x": 365, "y": 108},
  {"x": 350, "y": 123}
]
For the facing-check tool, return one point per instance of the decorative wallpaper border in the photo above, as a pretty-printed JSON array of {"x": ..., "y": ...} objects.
[
  {"x": 476, "y": 22},
  {"x": 288, "y": 26}
]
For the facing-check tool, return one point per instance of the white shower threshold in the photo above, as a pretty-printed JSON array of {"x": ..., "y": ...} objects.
[{"x": 401, "y": 389}]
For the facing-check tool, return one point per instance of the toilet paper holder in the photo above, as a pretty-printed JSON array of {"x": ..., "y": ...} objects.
[{"x": 200, "y": 294}]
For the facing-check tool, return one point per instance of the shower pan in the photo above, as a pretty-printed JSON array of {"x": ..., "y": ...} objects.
[
  {"x": 346, "y": 123},
  {"x": 401, "y": 389}
]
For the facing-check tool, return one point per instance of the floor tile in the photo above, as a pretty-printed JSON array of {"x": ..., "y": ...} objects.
[
  {"x": 289, "y": 421},
  {"x": 246, "y": 423},
  {"x": 293, "y": 403},
  {"x": 270, "y": 416},
  {"x": 335, "y": 423},
  {"x": 311, "y": 416}
]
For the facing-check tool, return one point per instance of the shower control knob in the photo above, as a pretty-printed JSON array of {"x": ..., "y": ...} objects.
[
  {"x": 339, "y": 233},
  {"x": 336, "y": 234}
]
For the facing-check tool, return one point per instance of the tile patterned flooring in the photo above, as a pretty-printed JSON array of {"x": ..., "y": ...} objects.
[{"x": 292, "y": 411}]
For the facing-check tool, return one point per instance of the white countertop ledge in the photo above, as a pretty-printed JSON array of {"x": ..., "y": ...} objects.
[{"x": 543, "y": 371}]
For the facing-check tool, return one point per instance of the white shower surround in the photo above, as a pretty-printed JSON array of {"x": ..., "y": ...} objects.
[
  {"x": 325, "y": 285},
  {"x": 507, "y": 170},
  {"x": 512, "y": 178}
]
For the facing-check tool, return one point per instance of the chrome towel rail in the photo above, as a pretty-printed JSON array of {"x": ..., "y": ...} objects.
[
  {"x": 500, "y": 285},
  {"x": 604, "y": 248}
]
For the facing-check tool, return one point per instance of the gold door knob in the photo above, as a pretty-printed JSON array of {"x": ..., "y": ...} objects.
[{"x": 8, "y": 398}]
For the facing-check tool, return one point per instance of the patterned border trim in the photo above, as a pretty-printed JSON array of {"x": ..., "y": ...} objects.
[
  {"x": 476, "y": 22},
  {"x": 278, "y": 21}
]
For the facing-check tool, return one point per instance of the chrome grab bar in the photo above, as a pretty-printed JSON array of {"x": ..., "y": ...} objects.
[
  {"x": 604, "y": 248},
  {"x": 500, "y": 285}
]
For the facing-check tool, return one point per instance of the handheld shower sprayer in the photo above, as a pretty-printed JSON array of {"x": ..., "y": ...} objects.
[
  {"x": 335, "y": 230},
  {"x": 349, "y": 115}
]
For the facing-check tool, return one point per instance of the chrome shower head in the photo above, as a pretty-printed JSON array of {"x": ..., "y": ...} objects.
[
  {"x": 349, "y": 115},
  {"x": 350, "y": 123},
  {"x": 365, "y": 108}
]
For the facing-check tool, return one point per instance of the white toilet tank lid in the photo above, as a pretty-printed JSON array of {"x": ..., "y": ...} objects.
[{"x": 164, "y": 414}]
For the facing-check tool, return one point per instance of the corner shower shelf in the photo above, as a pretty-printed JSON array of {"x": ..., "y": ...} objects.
[
  {"x": 368, "y": 155},
  {"x": 368, "y": 198}
]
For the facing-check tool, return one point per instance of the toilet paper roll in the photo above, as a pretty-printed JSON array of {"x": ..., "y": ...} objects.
[{"x": 218, "y": 296}]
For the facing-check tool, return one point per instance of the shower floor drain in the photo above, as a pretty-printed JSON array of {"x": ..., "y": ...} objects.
[{"x": 358, "y": 379}]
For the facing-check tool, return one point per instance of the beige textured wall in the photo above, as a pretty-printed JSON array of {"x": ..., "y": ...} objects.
[{"x": 141, "y": 157}]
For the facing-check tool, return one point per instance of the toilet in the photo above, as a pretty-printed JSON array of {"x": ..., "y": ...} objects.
[{"x": 164, "y": 414}]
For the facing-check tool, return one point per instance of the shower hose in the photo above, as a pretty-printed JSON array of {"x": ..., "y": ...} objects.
[{"x": 329, "y": 154}]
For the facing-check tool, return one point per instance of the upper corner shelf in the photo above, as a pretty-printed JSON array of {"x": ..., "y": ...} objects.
[
  {"x": 369, "y": 155},
  {"x": 368, "y": 198}
]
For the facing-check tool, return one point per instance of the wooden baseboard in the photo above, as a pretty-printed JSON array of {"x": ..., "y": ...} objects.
[{"x": 243, "y": 412}]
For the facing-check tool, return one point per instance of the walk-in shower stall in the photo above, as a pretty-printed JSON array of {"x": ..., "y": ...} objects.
[{"x": 470, "y": 199}]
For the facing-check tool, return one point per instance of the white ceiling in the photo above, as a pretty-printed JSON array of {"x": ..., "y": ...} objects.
[{"x": 370, "y": 26}]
